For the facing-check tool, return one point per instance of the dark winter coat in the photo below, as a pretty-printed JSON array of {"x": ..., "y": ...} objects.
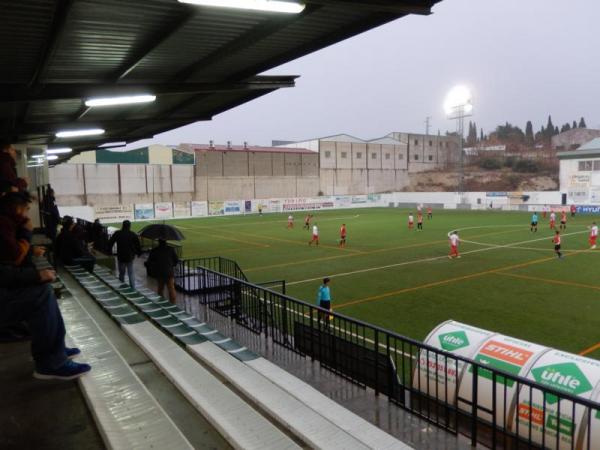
[
  {"x": 161, "y": 262},
  {"x": 128, "y": 245}
]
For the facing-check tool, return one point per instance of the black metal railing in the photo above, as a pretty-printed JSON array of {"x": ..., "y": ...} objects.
[
  {"x": 187, "y": 270},
  {"x": 491, "y": 406}
]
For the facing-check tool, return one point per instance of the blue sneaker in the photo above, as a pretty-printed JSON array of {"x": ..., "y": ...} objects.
[
  {"x": 68, "y": 371},
  {"x": 72, "y": 352}
]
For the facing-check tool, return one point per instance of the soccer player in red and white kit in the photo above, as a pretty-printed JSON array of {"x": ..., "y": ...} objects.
[
  {"x": 420, "y": 221},
  {"x": 556, "y": 241},
  {"x": 563, "y": 220},
  {"x": 454, "y": 241},
  {"x": 343, "y": 235},
  {"x": 593, "y": 235},
  {"x": 552, "y": 220},
  {"x": 315, "y": 235},
  {"x": 290, "y": 221},
  {"x": 411, "y": 221}
]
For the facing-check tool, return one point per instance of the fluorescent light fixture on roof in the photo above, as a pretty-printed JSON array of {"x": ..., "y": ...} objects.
[
  {"x": 34, "y": 165},
  {"x": 256, "y": 5},
  {"x": 56, "y": 151},
  {"x": 123, "y": 100},
  {"x": 79, "y": 133},
  {"x": 51, "y": 157},
  {"x": 40, "y": 156},
  {"x": 113, "y": 144}
]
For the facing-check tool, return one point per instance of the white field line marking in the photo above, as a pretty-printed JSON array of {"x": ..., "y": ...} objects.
[
  {"x": 363, "y": 338},
  {"x": 327, "y": 219},
  {"x": 433, "y": 258}
]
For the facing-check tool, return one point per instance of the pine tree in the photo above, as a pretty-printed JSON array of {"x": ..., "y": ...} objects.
[
  {"x": 529, "y": 140},
  {"x": 582, "y": 123},
  {"x": 481, "y": 135},
  {"x": 556, "y": 130},
  {"x": 549, "y": 127},
  {"x": 574, "y": 124}
]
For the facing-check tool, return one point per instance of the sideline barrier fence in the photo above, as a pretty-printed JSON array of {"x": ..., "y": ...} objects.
[
  {"x": 187, "y": 271},
  {"x": 416, "y": 376}
]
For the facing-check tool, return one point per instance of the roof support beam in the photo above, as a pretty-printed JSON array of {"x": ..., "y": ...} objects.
[
  {"x": 243, "y": 41},
  {"x": 160, "y": 36},
  {"x": 49, "y": 128},
  {"x": 60, "y": 18},
  {"x": 360, "y": 26},
  {"x": 399, "y": 8},
  {"x": 9, "y": 93}
]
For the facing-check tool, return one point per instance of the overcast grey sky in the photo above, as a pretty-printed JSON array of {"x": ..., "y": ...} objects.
[{"x": 523, "y": 60}]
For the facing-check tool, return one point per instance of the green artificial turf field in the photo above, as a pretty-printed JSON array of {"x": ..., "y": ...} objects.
[{"x": 508, "y": 279}]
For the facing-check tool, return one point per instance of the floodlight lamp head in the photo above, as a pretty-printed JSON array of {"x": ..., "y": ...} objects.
[{"x": 458, "y": 102}]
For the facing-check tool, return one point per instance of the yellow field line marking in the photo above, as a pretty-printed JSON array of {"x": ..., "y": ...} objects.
[
  {"x": 550, "y": 281},
  {"x": 449, "y": 280},
  {"x": 440, "y": 282},
  {"x": 423, "y": 260},
  {"x": 590, "y": 349},
  {"x": 368, "y": 252}
]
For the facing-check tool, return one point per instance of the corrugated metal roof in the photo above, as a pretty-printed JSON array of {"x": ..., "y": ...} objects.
[
  {"x": 199, "y": 61},
  {"x": 594, "y": 144},
  {"x": 241, "y": 148},
  {"x": 385, "y": 140}
]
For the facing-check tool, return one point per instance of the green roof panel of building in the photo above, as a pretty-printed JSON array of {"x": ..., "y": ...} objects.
[
  {"x": 180, "y": 157},
  {"x": 137, "y": 156}
]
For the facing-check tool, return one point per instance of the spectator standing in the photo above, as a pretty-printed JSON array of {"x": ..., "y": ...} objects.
[
  {"x": 128, "y": 247},
  {"x": 161, "y": 263},
  {"x": 71, "y": 248},
  {"x": 51, "y": 214}
]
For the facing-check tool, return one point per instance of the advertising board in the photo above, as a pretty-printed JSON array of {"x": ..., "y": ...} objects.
[
  {"x": 144, "y": 211},
  {"x": 216, "y": 208},
  {"x": 181, "y": 209},
  {"x": 199, "y": 209},
  {"x": 505, "y": 353},
  {"x": 439, "y": 376},
  {"x": 559, "y": 424},
  {"x": 113, "y": 213},
  {"x": 233, "y": 207},
  {"x": 163, "y": 210}
]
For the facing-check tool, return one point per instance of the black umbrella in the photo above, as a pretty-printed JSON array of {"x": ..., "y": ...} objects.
[{"x": 161, "y": 231}]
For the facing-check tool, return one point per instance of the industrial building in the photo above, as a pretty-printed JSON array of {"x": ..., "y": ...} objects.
[
  {"x": 351, "y": 165},
  {"x": 333, "y": 165}
]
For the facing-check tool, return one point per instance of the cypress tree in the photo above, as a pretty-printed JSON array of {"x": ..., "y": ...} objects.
[
  {"x": 529, "y": 140},
  {"x": 574, "y": 124},
  {"x": 582, "y": 123}
]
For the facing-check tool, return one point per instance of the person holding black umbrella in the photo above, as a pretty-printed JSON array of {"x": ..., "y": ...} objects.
[{"x": 161, "y": 263}]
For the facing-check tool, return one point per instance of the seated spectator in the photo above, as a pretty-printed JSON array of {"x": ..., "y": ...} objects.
[
  {"x": 70, "y": 246},
  {"x": 26, "y": 295},
  {"x": 128, "y": 246},
  {"x": 8, "y": 167},
  {"x": 15, "y": 229},
  {"x": 161, "y": 263}
]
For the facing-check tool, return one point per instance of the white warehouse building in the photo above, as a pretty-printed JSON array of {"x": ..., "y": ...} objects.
[{"x": 580, "y": 173}]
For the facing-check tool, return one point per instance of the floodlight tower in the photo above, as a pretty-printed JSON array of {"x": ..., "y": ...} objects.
[{"x": 458, "y": 105}]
